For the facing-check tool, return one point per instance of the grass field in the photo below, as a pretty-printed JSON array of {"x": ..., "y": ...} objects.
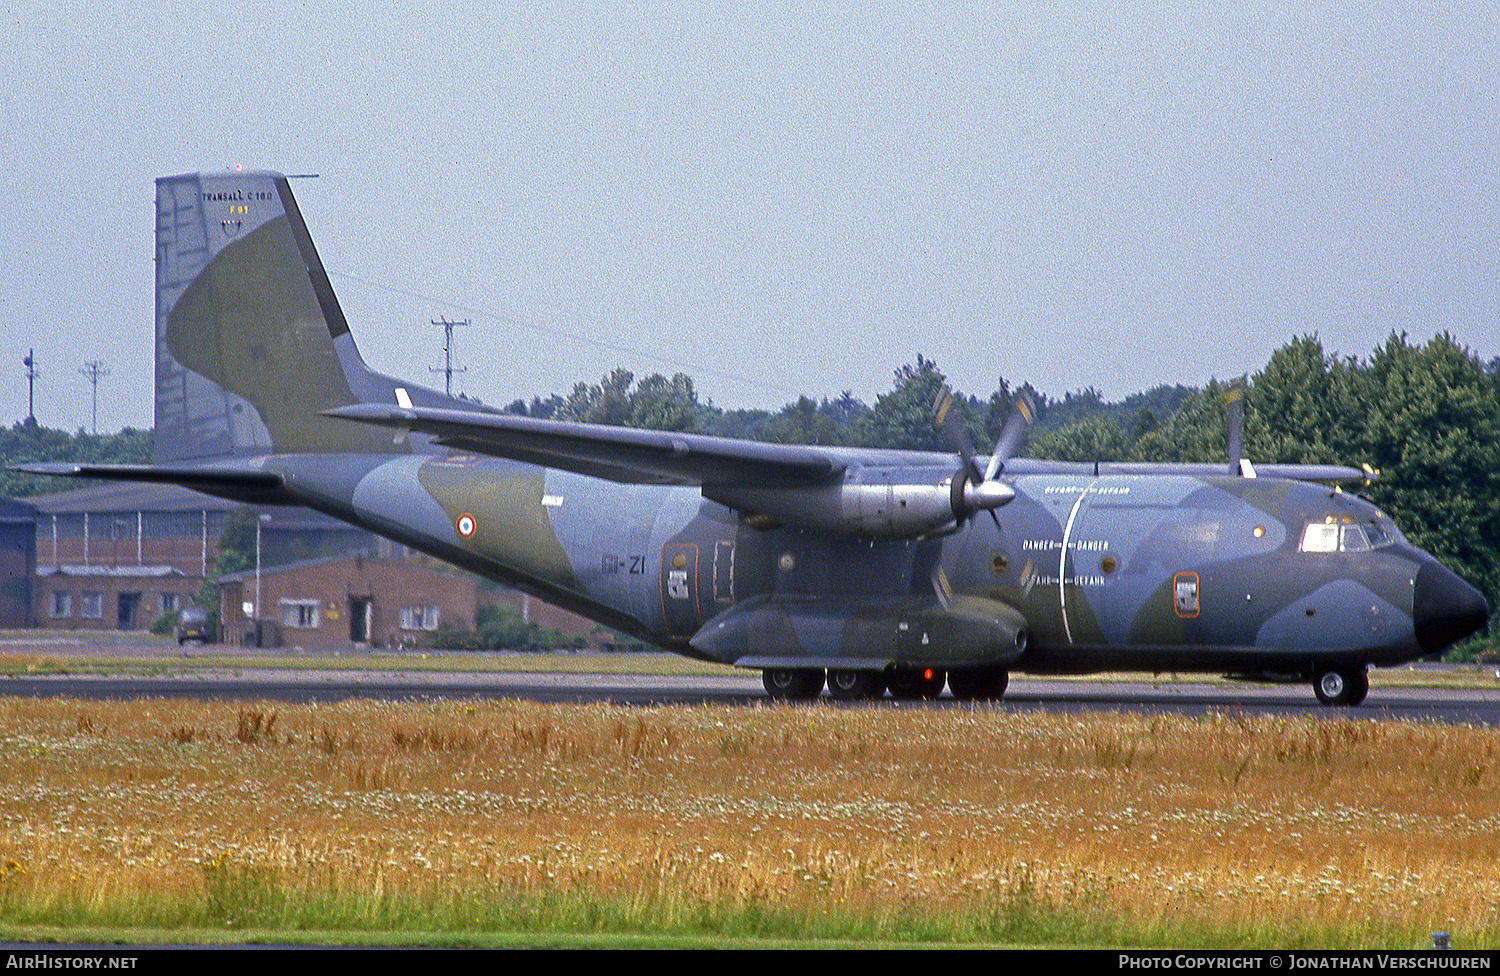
[{"x": 486, "y": 821}]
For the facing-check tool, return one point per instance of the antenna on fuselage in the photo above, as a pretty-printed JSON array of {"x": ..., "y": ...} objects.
[{"x": 1234, "y": 430}]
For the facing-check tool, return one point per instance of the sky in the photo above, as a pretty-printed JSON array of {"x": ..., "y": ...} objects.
[{"x": 776, "y": 199}]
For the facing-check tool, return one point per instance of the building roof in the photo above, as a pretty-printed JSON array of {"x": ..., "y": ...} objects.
[
  {"x": 129, "y": 496},
  {"x": 349, "y": 557},
  {"x": 16, "y": 512},
  {"x": 121, "y": 572}
]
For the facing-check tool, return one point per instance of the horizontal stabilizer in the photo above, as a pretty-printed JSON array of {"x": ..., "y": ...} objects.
[
  {"x": 623, "y": 454},
  {"x": 249, "y": 487}
]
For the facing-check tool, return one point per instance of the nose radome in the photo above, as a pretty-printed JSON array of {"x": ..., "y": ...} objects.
[{"x": 1444, "y": 608}]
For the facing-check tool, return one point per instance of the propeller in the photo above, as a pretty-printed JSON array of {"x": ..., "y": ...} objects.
[
  {"x": 955, "y": 433},
  {"x": 1234, "y": 431},
  {"x": 978, "y": 490}
]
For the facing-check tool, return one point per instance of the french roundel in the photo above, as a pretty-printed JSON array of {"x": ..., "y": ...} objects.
[{"x": 465, "y": 525}]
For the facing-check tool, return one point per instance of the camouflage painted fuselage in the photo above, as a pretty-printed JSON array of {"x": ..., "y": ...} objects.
[{"x": 1110, "y": 572}]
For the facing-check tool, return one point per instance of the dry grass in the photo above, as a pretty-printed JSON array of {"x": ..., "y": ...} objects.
[{"x": 880, "y": 821}]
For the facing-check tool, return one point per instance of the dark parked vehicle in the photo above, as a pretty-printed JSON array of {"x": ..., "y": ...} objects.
[{"x": 194, "y": 624}]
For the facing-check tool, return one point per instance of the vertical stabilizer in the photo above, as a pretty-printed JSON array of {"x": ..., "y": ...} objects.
[{"x": 251, "y": 345}]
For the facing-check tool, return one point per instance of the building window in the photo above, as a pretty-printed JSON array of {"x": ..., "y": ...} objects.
[
  {"x": 91, "y": 605},
  {"x": 299, "y": 613},
  {"x": 169, "y": 602},
  {"x": 62, "y": 603},
  {"x": 419, "y": 617}
]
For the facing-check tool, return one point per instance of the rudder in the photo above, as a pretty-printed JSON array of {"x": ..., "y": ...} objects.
[{"x": 251, "y": 345}]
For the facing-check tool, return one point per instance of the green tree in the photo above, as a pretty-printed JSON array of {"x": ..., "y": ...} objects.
[
  {"x": 1094, "y": 439},
  {"x": 1304, "y": 407},
  {"x": 607, "y": 402},
  {"x": 903, "y": 419},
  {"x": 655, "y": 403},
  {"x": 236, "y": 554},
  {"x": 1432, "y": 426},
  {"x": 1196, "y": 432},
  {"x": 662, "y": 404},
  {"x": 28, "y": 441}
]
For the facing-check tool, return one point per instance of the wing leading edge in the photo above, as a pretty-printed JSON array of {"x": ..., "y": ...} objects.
[
  {"x": 634, "y": 456},
  {"x": 622, "y": 454}
]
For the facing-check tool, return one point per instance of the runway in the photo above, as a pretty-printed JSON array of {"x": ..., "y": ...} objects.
[{"x": 1478, "y": 705}]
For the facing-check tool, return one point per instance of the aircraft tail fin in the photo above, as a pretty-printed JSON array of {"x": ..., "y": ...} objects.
[{"x": 251, "y": 345}]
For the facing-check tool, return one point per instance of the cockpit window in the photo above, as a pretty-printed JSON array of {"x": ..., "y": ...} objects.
[
  {"x": 1352, "y": 538},
  {"x": 1320, "y": 537},
  {"x": 1346, "y": 536},
  {"x": 1383, "y": 532}
]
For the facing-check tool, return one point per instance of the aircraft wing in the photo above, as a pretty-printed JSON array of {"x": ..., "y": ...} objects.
[
  {"x": 622, "y": 454},
  {"x": 250, "y": 487},
  {"x": 1328, "y": 474}
]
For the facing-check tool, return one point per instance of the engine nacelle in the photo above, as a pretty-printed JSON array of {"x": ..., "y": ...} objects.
[{"x": 875, "y": 506}]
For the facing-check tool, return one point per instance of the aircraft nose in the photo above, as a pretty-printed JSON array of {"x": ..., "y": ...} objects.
[{"x": 1445, "y": 608}]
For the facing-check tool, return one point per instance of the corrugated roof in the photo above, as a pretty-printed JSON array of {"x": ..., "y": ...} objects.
[
  {"x": 128, "y": 496},
  {"x": 152, "y": 572},
  {"x": 410, "y": 566},
  {"x": 132, "y": 497}
]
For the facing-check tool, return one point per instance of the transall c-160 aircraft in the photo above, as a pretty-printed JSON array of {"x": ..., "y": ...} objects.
[{"x": 864, "y": 571}]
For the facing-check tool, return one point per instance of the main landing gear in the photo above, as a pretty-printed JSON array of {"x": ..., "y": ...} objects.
[
  {"x": 804, "y": 684},
  {"x": 978, "y": 684},
  {"x": 854, "y": 685},
  {"x": 1341, "y": 686},
  {"x": 793, "y": 684}
]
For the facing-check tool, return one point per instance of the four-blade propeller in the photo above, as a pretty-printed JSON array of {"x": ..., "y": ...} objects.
[{"x": 977, "y": 490}]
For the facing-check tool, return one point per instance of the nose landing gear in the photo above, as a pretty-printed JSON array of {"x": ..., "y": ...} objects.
[{"x": 1341, "y": 686}]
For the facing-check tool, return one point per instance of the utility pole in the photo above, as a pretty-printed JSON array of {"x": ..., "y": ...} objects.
[
  {"x": 447, "y": 369},
  {"x": 30, "y": 363},
  {"x": 94, "y": 370}
]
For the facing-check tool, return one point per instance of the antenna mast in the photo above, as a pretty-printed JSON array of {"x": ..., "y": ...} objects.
[
  {"x": 447, "y": 368},
  {"x": 30, "y": 363},
  {"x": 94, "y": 370}
]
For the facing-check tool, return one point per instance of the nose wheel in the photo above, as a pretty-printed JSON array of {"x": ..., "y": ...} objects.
[{"x": 1341, "y": 686}]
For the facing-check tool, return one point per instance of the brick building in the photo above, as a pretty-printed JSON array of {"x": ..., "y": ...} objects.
[
  {"x": 345, "y": 599},
  {"x": 17, "y": 564},
  {"x": 114, "y": 556}
]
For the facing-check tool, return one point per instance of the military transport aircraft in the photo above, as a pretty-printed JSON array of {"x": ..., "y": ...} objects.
[{"x": 864, "y": 571}]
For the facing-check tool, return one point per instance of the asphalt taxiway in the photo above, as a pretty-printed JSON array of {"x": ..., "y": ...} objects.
[{"x": 1476, "y": 705}]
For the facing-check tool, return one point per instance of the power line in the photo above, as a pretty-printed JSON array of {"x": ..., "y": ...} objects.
[
  {"x": 94, "y": 370},
  {"x": 697, "y": 369}
]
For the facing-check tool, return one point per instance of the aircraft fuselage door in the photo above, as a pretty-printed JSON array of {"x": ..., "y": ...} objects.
[
  {"x": 723, "y": 572},
  {"x": 679, "y": 588}
]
